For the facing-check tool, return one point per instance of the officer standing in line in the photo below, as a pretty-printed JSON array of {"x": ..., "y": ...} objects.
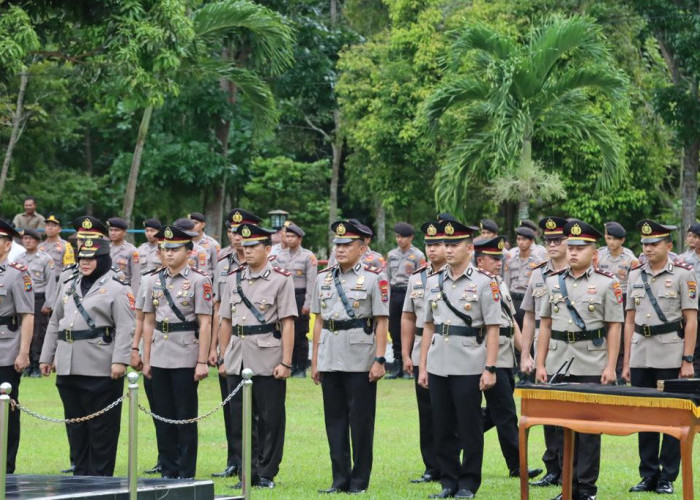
[
  {"x": 88, "y": 342},
  {"x": 581, "y": 317},
  {"x": 205, "y": 241},
  {"x": 488, "y": 228},
  {"x": 41, "y": 269},
  {"x": 16, "y": 327},
  {"x": 257, "y": 331},
  {"x": 463, "y": 303},
  {"x": 554, "y": 239},
  {"x": 176, "y": 335},
  {"x": 149, "y": 251},
  {"x": 519, "y": 265},
  {"x": 199, "y": 257},
  {"x": 370, "y": 257},
  {"x": 303, "y": 265},
  {"x": 660, "y": 337},
  {"x": 412, "y": 320},
  {"x": 538, "y": 250},
  {"x": 692, "y": 257},
  {"x": 500, "y": 409},
  {"x": 124, "y": 255},
  {"x": 402, "y": 262},
  {"x": 351, "y": 302},
  {"x": 230, "y": 258},
  {"x": 59, "y": 249}
]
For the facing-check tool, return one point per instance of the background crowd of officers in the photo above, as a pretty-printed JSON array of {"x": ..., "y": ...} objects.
[{"x": 467, "y": 316}]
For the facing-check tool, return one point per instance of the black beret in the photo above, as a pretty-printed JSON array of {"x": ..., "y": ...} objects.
[
  {"x": 529, "y": 223},
  {"x": 615, "y": 229},
  {"x": 293, "y": 228},
  {"x": 694, "y": 228},
  {"x": 117, "y": 222},
  {"x": 525, "y": 232},
  {"x": 488, "y": 225},
  {"x": 33, "y": 233},
  {"x": 152, "y": 223},
  {"x": 184, "y": 224},
  {"x": 404, "y": 229},
  {"x": 197, "y": 216}
]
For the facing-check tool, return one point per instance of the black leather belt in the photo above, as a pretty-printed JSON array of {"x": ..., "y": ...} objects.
[
  {"x": 8, "y": 320},
  {"x": 242, "y": 331},
  {"x": 72, "y": 335},
  {"x": 419, "y": 332},
  {"x": 506, "y": 331},
  {"x": 649, "y": 331},
  {"x": 399, "y": 288},
  {"x": 517, "y": 296},
  {"x": 578, "y": 336},
  {"x": 40, "y": 296},
  {"x": 185, "y": 326},
  {"x": 344, "y": 324},
  {"x": 460, "y": 331}
]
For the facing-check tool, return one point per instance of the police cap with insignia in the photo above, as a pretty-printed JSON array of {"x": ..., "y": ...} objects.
[
  {"x": 552, "y": 227},
  {"x": 93, "y": 248},
  {"x": 653, "y": 232},
  {"x": 347, "y": 231},
  {"x": 238, "y": 216},
  {"x": 454, "y": 231},
  {"x": 492, "y": 247},
  {"x": 52, "y": 219},
  {"x": 694, "y": 228},
  {"x": 293, "y": 228},
  {"x": 488, "y": 225},
  {"x": 117, "y": 222},
  {"x": 184, "y": 224},
  {"x": 525, "y": 232},
  {"x": 174, "y": 236},
  {"x": 87, "y": 226},
  {"x": 33, "y": 233},
  {"x": 615, "y": 230},
  {"x": 578, "y": 233},
  {"x": 254, "y": 235},
  {"x": 152, "y": 223},
  {"x": 404, "y": 229},
  {"x": 432, "y": 232},
  {"x": 199, "y": 217},
  {"x": 7, "y": 229}
]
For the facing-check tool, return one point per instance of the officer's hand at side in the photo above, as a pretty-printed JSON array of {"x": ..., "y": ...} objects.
[
  {"x": 46, "y": 310},
  {"x": 541, "y": 375},
  {"x": 377, "y": 371},
  {"x": 687, "y": 370},
  {"x": 45, "y": 369},
  {"x": 118, "y": 371},
  {"x": 201, "y": 372},
  {"x": 315, "y": 374},
  {"x": 408, "y": 365},
  {"x": 146, "y": 370},
  {"x": 608, "y": 377},
  {"x": 487, "y": 380},
  {"x": 213, "y": 358},
  {"x": 527, "y": 364},
  {"x": 222, "y": 370},
  {"x": 423, "y": 377},
  {"x": 21, "y": 362},
  {"x": 136, "y": 362},
  {"x": 626, "y": 374},
  {"x": 281, "y": 372},
  {"x": 305, "y": 311}
]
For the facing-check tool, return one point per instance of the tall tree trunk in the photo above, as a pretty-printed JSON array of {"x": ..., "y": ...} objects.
[
  {"x": 16, "y": 129},
  {"x": 690, "y": 186},
  {"x": 381, "y": 222},
  {"x": 130, "y": 193},
  {"x": 525, "y": 174},
  {"x": 336, "y": 145},
  {"x": 88, "y": 165}
]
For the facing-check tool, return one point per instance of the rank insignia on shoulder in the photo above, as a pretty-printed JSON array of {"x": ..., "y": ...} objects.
[
  {"x": 486, "y": 273},
  {"x": 637, "y": 266},
  {"x": 282, "y": 271},
  {"x": 373, "y": 269},
  {"x": 683, "y": 265},
  {"x": 198, "y": 271},
  {"x": 604, "y": 273},
  {"x": 326, "y": 269},
  {"x": 239, "y": 268},
  {"x": 120, "y": 279},
  {"x": 19, "y": 266},
  {"x": 420, "y": 269},
  {"x": 541, "y": 264}
]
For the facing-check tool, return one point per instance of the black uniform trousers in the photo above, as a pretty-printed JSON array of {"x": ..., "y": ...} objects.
[
  {"x": 41, "y": 323},
  {"x": 552, "y": 456},
  {"x": 500, "y": 412},
  {"x": 666, "y": 464},
  {"x": 349, "y": 407},
  {"x": 456, "y": 404},
  {"x": 93, "y": 442},
  {"x": 586, "y": 451},
  {"x": 148, "y": 388},
  {"x": 175, "y": 397},
  {"x": 268, "y": 429},
  {"x": 8, "y": 374},
  {"x": 300, "y": 353},
  {"x": 396, "y": 299},
  {"x": 228, "y": 423},
  {"x": 425, "y": 427}
]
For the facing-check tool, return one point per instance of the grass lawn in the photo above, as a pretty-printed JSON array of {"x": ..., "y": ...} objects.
[{"x": 306, "y": 465}]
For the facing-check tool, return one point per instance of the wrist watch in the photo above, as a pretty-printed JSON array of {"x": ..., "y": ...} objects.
[
  {"x": 689, "y": 359},
  {"x": 490, "y": 369},
  {"x": 380, "y": 359}
]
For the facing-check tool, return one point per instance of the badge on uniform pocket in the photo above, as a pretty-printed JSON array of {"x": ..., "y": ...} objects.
[{"x": 598, "y": 341}]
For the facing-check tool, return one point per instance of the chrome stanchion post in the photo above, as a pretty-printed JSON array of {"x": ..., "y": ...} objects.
[
  {"x": 247, "y": 430},
  {"x": 5, "y": 390},
  {"x": 133, "y": 378}
]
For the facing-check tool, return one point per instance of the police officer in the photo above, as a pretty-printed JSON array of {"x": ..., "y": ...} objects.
[
  {"x": 519, "y": 264},
  {"x": 58, "y": 249},
  {"x": 209, "y": 244},
  {"x": 581, "y": 317},
  {"x": 401, "y": 263},
  {"x": 41, "y": 269},
  {"x": 16, "y": 327},
  {"x": 351, "y": 302},
  {"x": 554, "y": 239},
  {"x": 455, "y": 363},
  {"x": 177, "y": 331},
  {"x": 124, "y": 255},
  {"x": 614, "y": 257},
  {"x": 199, "y": 257},
  {"x": 488, "y": 228},
  {"x": 88, "y": 342},
  {"x": 660, "y": 336},
  {"x": 370, "y": 257},
  {"x": 538, "y": 250},
  {"x": 149, "y": 251},
  {"x": 303, "y": 265},
  {"x": 257, "y": 331},
  {"x": 412, "y": 320}
]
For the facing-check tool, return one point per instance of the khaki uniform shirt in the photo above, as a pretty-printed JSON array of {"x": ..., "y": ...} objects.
[
  {"x": 126, "y": 258},
  {"x": 598, "y": 299},
  {"x": 304, "y": 268},
  {"x": 16, "y": 297},
  {"x": 110, "y": 303},
  {"x": 415, "y": 303},
  {"x": 675, "y": 288},
  {"x": 41, "y": 269},
  {"x": 620, "y": 265},
  {"x": 200, "y": 259},
  {"x": 148, "y": 258},
  {"x": 692, "y": 259},
  {"x": 270, "y": 291},
  {"x": 517, "y": 270},
  {"x": 536, "y": 290},
  {"x": 207, "y": 254},
  {"x": 23, "y": 221},
  {"x": 401, "y": 265},
  {"x": 506, "y": 349},
  {"x": 475, "y": 293},
  {"x": 224, "y": 267},
  {"x": 61, "y": 252},
  {"x": 370, "y": 258},
  {"x": 191, "y": 292},
  {"x": 367, "y": 291}
]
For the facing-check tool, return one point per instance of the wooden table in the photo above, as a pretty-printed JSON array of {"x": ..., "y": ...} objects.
[{"x": 616, "y": 411}]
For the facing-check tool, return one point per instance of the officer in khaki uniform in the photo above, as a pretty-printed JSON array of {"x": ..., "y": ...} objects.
[
  {"x": 199, "y": 257},
  {"x": 41, "y": 269},
  {"x": 124, "y": 255},
  {"x": 148, "y": 252},
  {"x": 581, "y": 317},
  {"x": 518, "y": 267},
  {"x": 456, "y": 363},
  {"x": 16, "y": 327},
  {"x": 370, "y": 257},
  {"x": 660, "y": 336},
  {"x": 58, "y": 249},
  {"x": 351, "y": 303},
  {"x": 303, "y": 265},
  {"x": 88, "y": 342},
  {"x": 205, "y": 242},
  {"x": 177, "y": 332}
]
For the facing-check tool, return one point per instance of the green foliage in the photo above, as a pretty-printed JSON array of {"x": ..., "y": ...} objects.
[{"x": 17, "y": 39}]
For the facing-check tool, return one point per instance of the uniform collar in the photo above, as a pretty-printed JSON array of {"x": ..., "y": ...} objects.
[
  {"x": 264, "y": 273},
  {"x": 355, "y": 269},
  {"x": 184, "y": 272},
  {"x": 468, "y": 272},
  {"x": 586, "y": 274},
  {"x": 667, "y": 269}
]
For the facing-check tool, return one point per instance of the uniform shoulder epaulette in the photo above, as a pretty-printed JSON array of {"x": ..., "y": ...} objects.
[
  {"x": 281, "y": 270},
  {"x": 683, "y": 265},
  {"x": 19, "y": 266},
  {"x": 604, "y": 273},
  {"x": 326, "y": 269},
  {"x": 420, "y": 269},
  {"x": 541, "y": 264},
  {"x": 70, "y": 266},
  {"x": 119, "y": 279},
  {"x": 272, "y": 258},
  {"x": 239, "y": 268},
  {"x": 638, "y": 266},
  {"x": 198, "y": 271},
  {"x": 153, "y": 271},
  {"x": 560, "y": 271},
  {"x": 373, "y": 269},
  {"x": 485, "y": 272}
]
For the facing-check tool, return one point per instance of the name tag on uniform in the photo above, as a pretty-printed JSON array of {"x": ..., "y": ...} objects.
[
  {"x": 436, "y": 289},
  {"x": 638, "y": 285},
  {"x": 538, "y": 284},
  {"x": 325, "y": 287}
]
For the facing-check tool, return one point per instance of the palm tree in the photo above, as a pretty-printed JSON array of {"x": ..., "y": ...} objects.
[{"x": 512, "y": 93}]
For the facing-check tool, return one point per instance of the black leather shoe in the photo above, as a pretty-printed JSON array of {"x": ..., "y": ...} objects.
[
  {"x": 427, "y": 477},
  {"x": 69, "y": 470},
  {"x": 464, "y": 493},
  {"x": 265, "y": 482},
  {"x": 559, "y": 497},
  {"x": 549, "y": 479},
  {"x": 664, "y": 487},
  {"x": 229, "y": 471},
  {"x": 585, "y": 496},
  {"x": 394, "y": 375},
  {"x": 331, "y": 490},
  {"x": 356, "y": 491},
  {"x": 445, "y": 493},
  {"x": 530, "y": 473},
  {"x": 646, "y": 484},
  {"x": 157, "y": 469}
]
